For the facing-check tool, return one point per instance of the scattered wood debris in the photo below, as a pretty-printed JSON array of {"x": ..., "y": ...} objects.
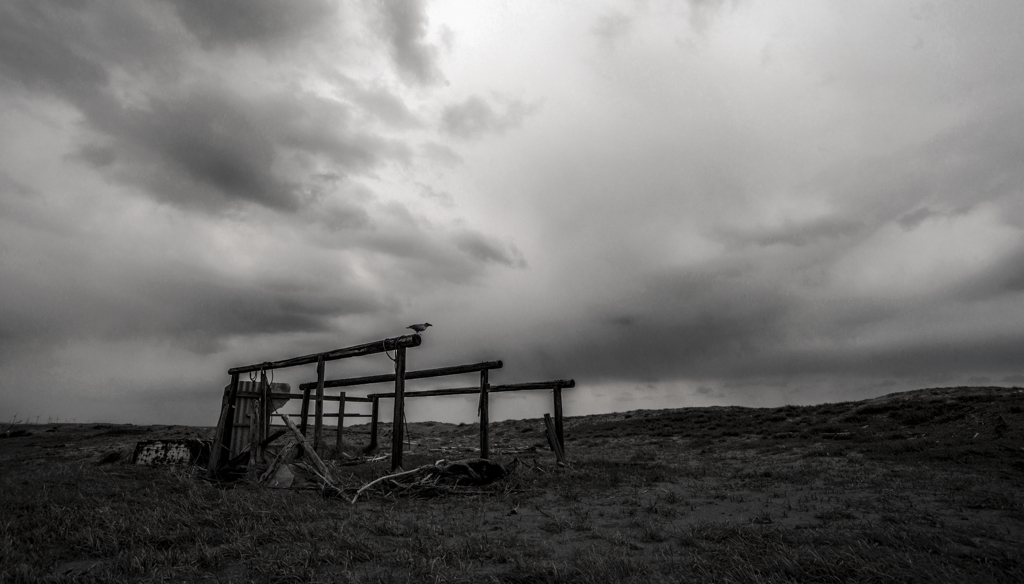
[{"x": 442, "y": 476}]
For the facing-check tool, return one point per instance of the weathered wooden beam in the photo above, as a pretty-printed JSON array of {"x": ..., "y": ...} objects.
[
  {"x": 267, "y": 408},
  {"x": 356, "y": 351},
  {"x": 563, "y": 383},
  {"x": 280, "y": 397},
  {"x": 318, "y": 421},
  {"x": 553, "y": 440},
  {"x": 222, "y": 436},
  {"x": 272, "y": 437},
  {"x": 421, "y": 374},
  {"x": 341, "y": 425},
  {"x": 374, "y": 415},
  {"x": 330, "y": 415},
  {"x": 398, "y": 428},
  {"x": 305, "y": 411},
  {"x": 559, "y": 430},
  {"x": 317, "y": 462},
  {"x": 485, "y": 441}
]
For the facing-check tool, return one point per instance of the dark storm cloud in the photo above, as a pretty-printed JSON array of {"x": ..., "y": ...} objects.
[
  {"x": 157, "y": 119},
  {"x": 1005, "y": 277},
  {"x": 915, "y": 217},
  {"x": 404, "y": 24},
  {"x": 38, "y": 49},
  {"x": 485, "y": 249},
  {"x": 380, "y": 103},
  {"x": 318, "y": 126},
  {"x": 783, "y": 308},
  {"x": 951, "y": 173},
  {"x": 415, "y": 252},
  {"x": 796, "y": 234},
  {"x": 196, "y": 306},
  {"x": 915, "y": 358},
  {"x": 257, "y": 22},
  {"x": 200, "y": 145},
  {"x": 667, "y": 326},
  {"x": 475, "y": 117},
  {"x": 212, "y": 146}
]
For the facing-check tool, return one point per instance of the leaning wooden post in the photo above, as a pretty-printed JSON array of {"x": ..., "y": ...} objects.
[
  {"x": 559, "y": 431},
  {"x": 318, "y": 422},
  {"x": 325, "y": 472},
  {"x": 373, "y": 425},
  {"x": 305, "y": 411},
  {"x": 398, "y": 430},
  {"x": 553, "y": 440},
  {"x": 222, "y": 437},
  {"x": 485, "y": 442},
  {"x": 341, "y": 423}
]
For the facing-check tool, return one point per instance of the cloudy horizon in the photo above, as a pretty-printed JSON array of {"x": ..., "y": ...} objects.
[{"x": 712, "y": 202}]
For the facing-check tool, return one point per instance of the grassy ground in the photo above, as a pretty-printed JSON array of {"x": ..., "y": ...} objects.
[{"x": 917, "y": 487}]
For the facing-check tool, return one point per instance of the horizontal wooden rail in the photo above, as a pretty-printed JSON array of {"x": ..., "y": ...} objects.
[
  {"x": 280, "y": 396},
  {"x": 328, "y": 415},
  {"x": 357, "y": 351},
  {"x": 421, "y": 374},
  {"x": 556, "y": 384}
]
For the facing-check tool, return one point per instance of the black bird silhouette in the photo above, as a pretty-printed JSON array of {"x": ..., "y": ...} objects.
[{"x": 419, "y": 327}]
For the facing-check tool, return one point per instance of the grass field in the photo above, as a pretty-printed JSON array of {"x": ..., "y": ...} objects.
[{"x": 925, "y": 486}]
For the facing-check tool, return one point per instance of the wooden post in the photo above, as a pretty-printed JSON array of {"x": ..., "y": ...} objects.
[
  {"x": 485, "y": 442},
  {"x": 398, "y": 429},
  {"x": 341, "y": 423},
  {"x": 373, "y": 425},
  {"x": 222, "y": 437},
  {"x": 553, "y": 440},
  {"x": 305, "y": 411},
  {"x": 255, "y": 447},
  {"x": 267, "y": 406},
  {"x": 318, "y": 422},
  {"x": 559, "y": 431}
]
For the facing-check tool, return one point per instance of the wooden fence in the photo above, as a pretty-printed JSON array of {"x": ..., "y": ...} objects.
[{"x": 484, "y": 389}]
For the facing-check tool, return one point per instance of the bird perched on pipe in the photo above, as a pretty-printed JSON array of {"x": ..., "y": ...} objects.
[{"x": 419, "y": 328}]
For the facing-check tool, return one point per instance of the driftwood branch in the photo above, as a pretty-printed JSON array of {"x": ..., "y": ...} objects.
[
  {"x": 392, "y": 476},
  {"x": 472, "y": 471},
  {"x": 317, "y": 462},
  {"x": 282, "y": 458}
]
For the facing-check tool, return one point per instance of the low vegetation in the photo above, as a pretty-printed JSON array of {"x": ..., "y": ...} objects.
[{"x": 924, "y": 486}]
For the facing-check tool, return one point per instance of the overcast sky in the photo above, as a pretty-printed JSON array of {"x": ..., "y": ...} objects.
[{"x": 673, "y": 203}]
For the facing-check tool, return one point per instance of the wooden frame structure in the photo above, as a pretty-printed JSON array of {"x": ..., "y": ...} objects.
[
  {"x": 304, "y": 415},
  {"x": 260, "y": 420},
  {"x": 484, "y": 389}
]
